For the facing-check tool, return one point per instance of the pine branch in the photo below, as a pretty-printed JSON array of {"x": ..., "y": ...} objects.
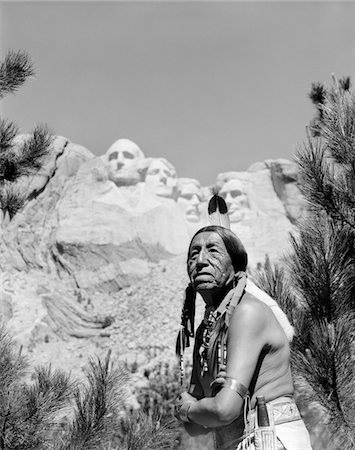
[
  {"x": 34, "y": 149},
  {"x": 320, "y": 187},
  {"x": 14, "y": 71},
  {"x": 328, "y": 367},
  {"x": 323, "y": 267},
  {"x": 338, "y": 127},
  {"x": 96, "y": 406},
  {"x": 317, "y": 93},
  {"x": 8, "y": 130},
  {"x": 32, "y": 417},
  {"x": 273, "y": 280},
  {"x": 12, "y": 199},
  {"x": 13, "y": 364},
  {"x": 142, "y": 432},
  {"x": 345, "y": 83}
]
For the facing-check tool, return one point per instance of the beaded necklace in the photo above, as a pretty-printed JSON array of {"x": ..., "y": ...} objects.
[{"x": 220, "y": 317}]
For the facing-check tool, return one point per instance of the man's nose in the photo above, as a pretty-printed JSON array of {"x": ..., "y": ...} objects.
[
  {"x": 202, "y": 258},
  {"x": 119, "y": 165}
]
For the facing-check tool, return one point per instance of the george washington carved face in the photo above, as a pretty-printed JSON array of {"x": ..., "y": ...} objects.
[{"x": 123, "y": 161}]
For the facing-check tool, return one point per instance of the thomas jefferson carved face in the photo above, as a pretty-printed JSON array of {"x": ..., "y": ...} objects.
[
  {"x": 161, "y": 177},
  {"x": 233, "y": 192},
  {"x": 123, "y": 161},
  {"x": 189, "y": 198}
]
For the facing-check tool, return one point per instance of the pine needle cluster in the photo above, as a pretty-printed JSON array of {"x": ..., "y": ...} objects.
[
  {"x": 96, "y": 406},
  {"x": 141, "y": 431},
  {"x": 316, "y": 282},
  {"x": 54, "y": 412},
  {"x": 18, "y": 159}
]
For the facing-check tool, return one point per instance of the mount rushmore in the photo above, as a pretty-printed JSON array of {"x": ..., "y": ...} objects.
[{"x": 102, "y": 241}]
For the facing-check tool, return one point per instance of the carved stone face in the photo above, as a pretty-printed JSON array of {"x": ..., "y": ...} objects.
[
  {"x": 123, "y": 161},
  {"x": 161, "y": 177},
  {"x": 189, "y": 198},
  {"x": 233, "y": 192}
]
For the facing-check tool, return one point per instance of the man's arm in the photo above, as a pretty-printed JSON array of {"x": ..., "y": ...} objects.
[{"x": 246, "y": 339}]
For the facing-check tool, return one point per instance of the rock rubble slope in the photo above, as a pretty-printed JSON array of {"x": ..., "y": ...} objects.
[{"x": 96, "y": 259}]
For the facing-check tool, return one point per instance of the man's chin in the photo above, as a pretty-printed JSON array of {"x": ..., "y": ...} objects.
[{"x": 204, "y": 285}]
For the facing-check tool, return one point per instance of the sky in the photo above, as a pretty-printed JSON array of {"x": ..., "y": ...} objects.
[{"x": 210, "y": 86}]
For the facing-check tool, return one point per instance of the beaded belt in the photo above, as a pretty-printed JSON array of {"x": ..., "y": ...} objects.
[{"x": 281, "y": 410}]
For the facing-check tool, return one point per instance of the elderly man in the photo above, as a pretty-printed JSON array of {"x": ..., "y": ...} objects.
[{"x": 241, "y": 352}]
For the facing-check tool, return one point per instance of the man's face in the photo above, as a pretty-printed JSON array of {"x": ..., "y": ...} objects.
[
  {"x": 189, "y": 200},
  {"x": 123, "y": 164},
  {"x": 209, "y": 265},
  {"x": 236, "y": 199},
  {"x": 161, "y": 179}
]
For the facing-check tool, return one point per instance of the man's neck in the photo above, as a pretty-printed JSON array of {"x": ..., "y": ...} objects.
[{"x": 214, "y": 297}]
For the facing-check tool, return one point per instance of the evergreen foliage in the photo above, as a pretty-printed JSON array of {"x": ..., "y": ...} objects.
[
  {"x": 53, "y": 412},
  {"x": 319, "y": 278},
  {"x": 18, "y": 159},
  {"x": 95, "y": 406}
]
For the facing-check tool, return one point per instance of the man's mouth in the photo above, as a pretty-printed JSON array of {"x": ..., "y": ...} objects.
[{"x": 202, "y": 275}]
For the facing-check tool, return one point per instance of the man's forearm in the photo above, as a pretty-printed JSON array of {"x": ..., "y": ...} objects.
[{"x": 206, "y": 412}]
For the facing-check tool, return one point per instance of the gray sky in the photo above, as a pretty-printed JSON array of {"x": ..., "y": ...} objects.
[{"x": 211, "y": 86}]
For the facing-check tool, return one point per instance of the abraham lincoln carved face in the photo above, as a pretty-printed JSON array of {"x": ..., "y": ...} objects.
[{"x": 233, "y": 192}]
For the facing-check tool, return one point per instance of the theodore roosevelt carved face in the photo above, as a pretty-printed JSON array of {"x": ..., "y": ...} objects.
[{"x": 123, "y": 160}]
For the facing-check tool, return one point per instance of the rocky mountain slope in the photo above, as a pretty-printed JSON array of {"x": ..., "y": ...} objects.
[{"x": 96, "y": 259}]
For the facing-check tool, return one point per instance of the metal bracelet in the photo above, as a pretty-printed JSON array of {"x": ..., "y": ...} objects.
[
  {"x": 237, "y": 387},
  {"x": 183, "y": 412}
]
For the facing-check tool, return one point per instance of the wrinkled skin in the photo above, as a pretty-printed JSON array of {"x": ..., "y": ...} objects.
[{"x": 209, "y": 266}]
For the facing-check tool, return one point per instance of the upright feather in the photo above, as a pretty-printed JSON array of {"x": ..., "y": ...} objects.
[{"x": 218, "y": 212}]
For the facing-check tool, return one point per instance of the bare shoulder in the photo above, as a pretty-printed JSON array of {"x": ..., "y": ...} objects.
[
  {"x": 251, "y": 307},
  {"x": 254, "y": 318},
  {"x": 252, "y": 312}
]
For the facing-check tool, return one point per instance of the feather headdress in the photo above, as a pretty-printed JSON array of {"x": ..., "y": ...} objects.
[{"x": 218, "y": 212}]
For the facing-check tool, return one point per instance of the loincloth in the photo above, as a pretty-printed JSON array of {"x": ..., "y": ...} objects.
[{"x": 290, "y": 429}]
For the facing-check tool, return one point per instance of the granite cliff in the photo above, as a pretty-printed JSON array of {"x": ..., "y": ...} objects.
[{"x": 96, "y": 259}]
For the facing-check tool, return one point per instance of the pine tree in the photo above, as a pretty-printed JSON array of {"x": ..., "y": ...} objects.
[
  {"x": 18, "y": 159},
  {"x": 55, "y": 412},
  {"x": 317, "y": 279}
]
